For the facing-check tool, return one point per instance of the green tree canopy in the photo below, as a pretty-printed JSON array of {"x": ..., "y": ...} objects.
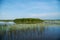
[{"x": 28, "y": 20}]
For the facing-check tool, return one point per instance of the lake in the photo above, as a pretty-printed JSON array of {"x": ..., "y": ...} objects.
[{"x": 43, "y": 31}]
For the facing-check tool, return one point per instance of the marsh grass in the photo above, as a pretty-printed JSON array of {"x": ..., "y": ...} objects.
[{"x": 25, "y": 27}]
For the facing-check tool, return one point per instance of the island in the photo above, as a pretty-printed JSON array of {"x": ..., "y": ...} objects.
[{"x": 28, "y": 20}]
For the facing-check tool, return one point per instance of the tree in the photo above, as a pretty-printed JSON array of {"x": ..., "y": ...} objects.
[{"x": 28, "y": 20}]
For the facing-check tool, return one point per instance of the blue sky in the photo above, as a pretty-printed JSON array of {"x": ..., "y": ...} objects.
[{"x": 43, "y": 9}]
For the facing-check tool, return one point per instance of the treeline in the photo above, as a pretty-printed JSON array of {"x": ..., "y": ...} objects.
[
  {"x": 27, "y": 20},
  {"x": 6, "y": 20}
]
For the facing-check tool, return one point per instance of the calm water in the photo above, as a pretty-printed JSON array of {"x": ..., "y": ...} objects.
[{"x": 51, "y": 32}]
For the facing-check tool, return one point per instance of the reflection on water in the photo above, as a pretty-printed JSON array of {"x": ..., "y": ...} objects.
[{"x": 52, "y": 32}]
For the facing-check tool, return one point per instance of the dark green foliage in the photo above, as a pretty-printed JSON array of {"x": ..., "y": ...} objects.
[
  {"x": 6, "y": 20},
  {"x": 28, "y": 20}
]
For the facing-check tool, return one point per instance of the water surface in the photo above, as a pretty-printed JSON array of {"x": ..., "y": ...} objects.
[{"x": 49, "y": 32}]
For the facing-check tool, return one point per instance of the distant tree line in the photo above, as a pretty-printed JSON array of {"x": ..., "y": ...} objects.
[
  {"x": 27, "y": 20},
  {"x": 6, "y": 20}
]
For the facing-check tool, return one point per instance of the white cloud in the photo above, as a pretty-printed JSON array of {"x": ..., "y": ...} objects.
[{"x": 45, "y": 15}]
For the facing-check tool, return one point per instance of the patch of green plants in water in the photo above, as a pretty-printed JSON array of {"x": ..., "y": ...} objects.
[
  {"x": 26, "y": 27},
  {"x": 3, "y": 28}
]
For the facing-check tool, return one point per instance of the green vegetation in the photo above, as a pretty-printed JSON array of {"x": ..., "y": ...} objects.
[
  {"x": 26, "y": 26},
  {"x": 6, "y": 20},
  {"x": 28, "y": 20}
]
